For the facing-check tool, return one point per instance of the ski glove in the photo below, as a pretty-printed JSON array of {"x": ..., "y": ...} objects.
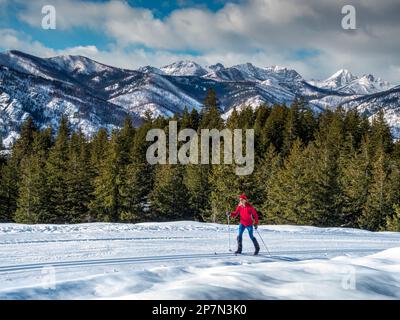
[
  {"x": 255, "y": 226},
  {"x": 228, "y": 214}
]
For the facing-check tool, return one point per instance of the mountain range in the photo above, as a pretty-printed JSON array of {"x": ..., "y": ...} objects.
[{"x": 94, "y": 95}]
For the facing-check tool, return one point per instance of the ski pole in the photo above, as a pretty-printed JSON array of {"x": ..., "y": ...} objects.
[
  {"x": 263, "y": 243},
  {"x": 229, "y": 232}
]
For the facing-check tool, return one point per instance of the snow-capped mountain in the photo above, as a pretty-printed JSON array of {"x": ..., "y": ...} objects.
[
  {"x": 23, "y": 95},
  {"x": 95, "y": 95},
  {"x": 339, "y": 79},
  {"x": 184, "y": 68},
  {"x": 150, "y": 69},
  {"x": 367, "y": 84},
  {"x": 344, "y": 81}
]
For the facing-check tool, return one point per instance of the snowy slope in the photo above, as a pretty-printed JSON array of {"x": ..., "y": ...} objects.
[
  {"x": 344, "y": 82},
  {"x": 190, "y": 260},
  {"x": 184, "y": 68},
  {"x": 47, "y": 101},
  {"x": 367, "y": 84},
  {"x": 339, "y": 79}
]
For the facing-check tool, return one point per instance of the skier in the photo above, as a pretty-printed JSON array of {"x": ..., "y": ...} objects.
[{"x": 247, "y": 213}]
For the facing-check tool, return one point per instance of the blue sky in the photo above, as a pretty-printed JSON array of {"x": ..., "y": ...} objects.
[
  {"x": 302, "y": 34},
  {"x": 60, "y": 39}
]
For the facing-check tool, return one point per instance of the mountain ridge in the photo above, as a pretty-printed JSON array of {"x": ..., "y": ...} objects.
[{"x": 90, "y": 92}]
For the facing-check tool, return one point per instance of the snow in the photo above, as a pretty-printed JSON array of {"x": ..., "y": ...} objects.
[
  {"x": 344, "y": 82},
  {"x": 54, "y": 86},
  {"x": 338, "y": 79},
  {"x": 78, "y": 64},
  {"x": 190, "y": 260},
  {"x": 184, "y": 68}
]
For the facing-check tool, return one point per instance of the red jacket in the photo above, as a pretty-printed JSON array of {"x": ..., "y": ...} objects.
[{"x": 247, "y": 213}]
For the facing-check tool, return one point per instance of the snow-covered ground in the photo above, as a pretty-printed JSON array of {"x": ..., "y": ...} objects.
[{"x": 189, "y": 260}]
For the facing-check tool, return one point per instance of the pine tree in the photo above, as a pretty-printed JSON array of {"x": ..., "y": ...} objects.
[
  {"x": 354, "y": 178},
  {"x": 56, "y": 175},
  {"x": 169, "y": 197},
  {"x": 98, "y": 149},
  {"x": 106, "y": 202},
  {"x": 225, "y": 189},
  {"x": 264, "y": 174},
  {"x": 23, "y": 146},
  {"x": 133, "y": 193},
  {"x": 377, "y": 205},
  {"x": 194, "y": 119},
  {"x": 323, "y": 164},
  {"x": 8, "y": 193},
  {"x": 31, "y": 200},
  {"x": 246, "y": 118},
  {"x": 211, "y": 113},
  {"x": 380, "y": 133},
  {"x": 289, "y": 190},
  {"x": 139, "y": 162},
  {"x": 198, "y": 190},
  {"x": 211, "y": 100},
  {"x": 273, "y": 131},
  {"x": 125, "y": 142},
  {"x": 233, "y": 120},
  {"x": 354, "y": 128},
  {"x": 393, "y": 221},
  {"x": 78, "y": 180},
  {"x": 185, "y": 122},
  {"x": 11, "y": 173},
  {"x": 300, "y": 123},
  {"x": 292, "y": 127},
  {"x": 261, "y": 114}
]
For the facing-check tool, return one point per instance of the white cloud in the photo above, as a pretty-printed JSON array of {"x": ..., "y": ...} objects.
[
  {"x": 12, "y": 39},
  {"x": 261, "y": 31}
]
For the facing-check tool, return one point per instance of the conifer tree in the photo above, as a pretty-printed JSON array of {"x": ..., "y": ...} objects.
[
  {"x": 169, "y": 197},
  {"x": 194, "y": 119},
  {"x": 32, "y": 202},
  {"x": 264, "y": 174},
  {"x": 78, "y": 180},
  {"x": 198, "y": 190},
  {"x": 133, "y": 193},
  {"x": 393, "y": 221},
  {"x": 56, "y": 170},
  {"x": 225, "y": 189},
  {"x": 211, "y": 113},
  {"x": 8, "y": 192},
  {"x": 261, "y": 116},
  {"x": 32, "y": 192},
  {"x": 11, "y": 173},
  {"x": 354, "y": 178},
  {"x": 273, "y": 131},
  {"x": 289, "y": 190},
  {"x": 233, "y": 120},
  {"x": 377, "y": 203},
  {"x": 106, "y": 202},
  {"x": 380, "y": 133},
  {"x": 323, "y": 180},
  {"x": 300, "y": 123},
  {"x": 185, "y": 121}
]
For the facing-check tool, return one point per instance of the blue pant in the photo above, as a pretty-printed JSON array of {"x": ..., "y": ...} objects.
[{"x": 249, "y": 229}]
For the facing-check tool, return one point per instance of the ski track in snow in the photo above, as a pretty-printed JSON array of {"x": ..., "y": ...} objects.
[{"x": 190, "y": 260}]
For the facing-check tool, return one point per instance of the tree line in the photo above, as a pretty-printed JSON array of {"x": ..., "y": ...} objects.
[{"x": 334, "y": 168}]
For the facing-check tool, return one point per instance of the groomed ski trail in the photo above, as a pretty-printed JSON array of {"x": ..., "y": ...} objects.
[{"x": 275, "y": 256}]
